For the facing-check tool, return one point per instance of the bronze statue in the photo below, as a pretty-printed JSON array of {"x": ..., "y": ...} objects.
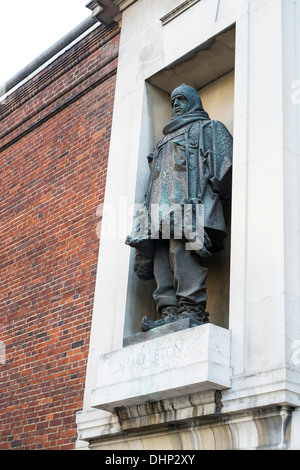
[{"x": 190, "y": 169}]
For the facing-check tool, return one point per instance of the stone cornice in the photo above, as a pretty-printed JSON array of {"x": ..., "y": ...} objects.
[
  {"x": 109, "y": 11},
  {"x": 104, "y": 10}
]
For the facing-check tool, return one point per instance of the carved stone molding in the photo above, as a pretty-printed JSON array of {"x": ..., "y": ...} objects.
[
  {"x": 195, "y": 422},
  {"x": 177, "y": 11}
]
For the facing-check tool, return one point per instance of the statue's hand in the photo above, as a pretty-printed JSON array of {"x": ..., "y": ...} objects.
[
  {"x": 204, "y": 252},
  {"x": 207, "y": 240}
]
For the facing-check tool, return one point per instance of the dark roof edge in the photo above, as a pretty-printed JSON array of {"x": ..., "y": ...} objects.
[{"x": 61, "y": 44}]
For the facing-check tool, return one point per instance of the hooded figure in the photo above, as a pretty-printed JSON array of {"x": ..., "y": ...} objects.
[{"x": 182, "y": 219}]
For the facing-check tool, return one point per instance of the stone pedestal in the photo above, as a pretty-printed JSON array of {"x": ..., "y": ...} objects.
[{"x": 168, "y": 366}]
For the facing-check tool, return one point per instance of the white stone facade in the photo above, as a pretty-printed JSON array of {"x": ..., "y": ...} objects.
[{"x": 248, "y": 77}]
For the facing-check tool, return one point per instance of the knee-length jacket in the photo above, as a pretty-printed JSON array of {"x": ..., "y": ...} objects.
[{"x": 190, "y": 165}]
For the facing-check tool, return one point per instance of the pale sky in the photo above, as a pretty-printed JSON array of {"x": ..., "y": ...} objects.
[{"x": 29, "y": 27}]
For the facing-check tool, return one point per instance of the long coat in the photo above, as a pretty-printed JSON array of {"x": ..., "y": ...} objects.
[{"x": 191, "y": 165}]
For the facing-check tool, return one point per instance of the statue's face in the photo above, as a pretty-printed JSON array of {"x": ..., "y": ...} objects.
[{"x": 179, "y": 105}]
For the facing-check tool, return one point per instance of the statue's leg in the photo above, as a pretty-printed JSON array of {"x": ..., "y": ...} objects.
[
  {"x": 164, "y": 294},
  {"x": 190, "y": 280}
]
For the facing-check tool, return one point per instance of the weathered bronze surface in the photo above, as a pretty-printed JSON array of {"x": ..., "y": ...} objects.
[{"x": 182, "y": 220}]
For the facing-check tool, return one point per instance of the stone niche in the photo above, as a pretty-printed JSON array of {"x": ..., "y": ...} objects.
[
  {"x": 175, "y": 360},
  {"x": 209, "y": 69}
]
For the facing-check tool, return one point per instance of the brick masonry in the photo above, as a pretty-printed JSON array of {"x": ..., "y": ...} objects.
[{"x": 54, "y": 142}]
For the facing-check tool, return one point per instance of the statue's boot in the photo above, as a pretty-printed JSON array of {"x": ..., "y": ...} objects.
[
  {"x": 197, "y": 314},
  {"x": 147, "y": 324},
  {"x": 169, "y": 315}
]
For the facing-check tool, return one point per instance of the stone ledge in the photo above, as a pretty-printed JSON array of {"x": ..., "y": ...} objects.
[
  {"x": 264, "y": 429},
  {"x": 184, "y": 362}
]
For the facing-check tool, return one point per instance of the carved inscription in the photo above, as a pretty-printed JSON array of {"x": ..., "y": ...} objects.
[{"x": 149, "y": 358}]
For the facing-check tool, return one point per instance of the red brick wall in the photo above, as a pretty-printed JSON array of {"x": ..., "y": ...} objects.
[{"x": 54, "y": 144}]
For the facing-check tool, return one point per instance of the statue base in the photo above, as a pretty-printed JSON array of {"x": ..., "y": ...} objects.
[
  {"x": 157, "y": 332},
  {"x": 163, "y": 364}
]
